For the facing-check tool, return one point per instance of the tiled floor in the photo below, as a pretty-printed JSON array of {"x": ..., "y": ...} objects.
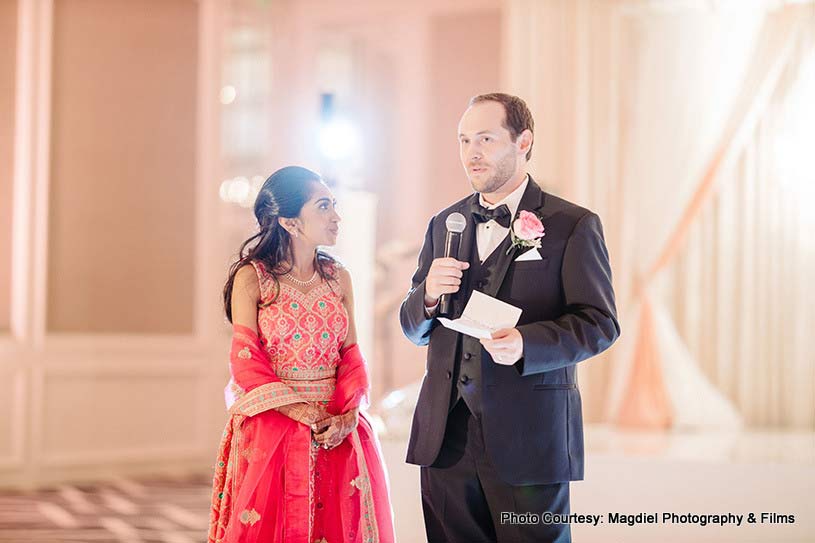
[
  {"x": 629, "y": 472},
  {"x": 160, "y": 510}
]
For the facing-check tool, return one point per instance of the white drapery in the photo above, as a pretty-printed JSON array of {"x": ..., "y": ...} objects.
[
  {"x": 688, "y": 91},
  {"x": 752, "y": 250}
]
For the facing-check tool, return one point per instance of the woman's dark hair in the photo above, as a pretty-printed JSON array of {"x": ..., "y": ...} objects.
[{"x": 283, "y": 194}]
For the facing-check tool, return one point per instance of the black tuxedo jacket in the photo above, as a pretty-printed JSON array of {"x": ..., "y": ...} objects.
[{"x": 532, "y": 416}]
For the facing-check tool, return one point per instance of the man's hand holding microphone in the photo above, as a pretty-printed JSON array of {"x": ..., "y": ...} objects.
[{"x": 444, "y": 279}]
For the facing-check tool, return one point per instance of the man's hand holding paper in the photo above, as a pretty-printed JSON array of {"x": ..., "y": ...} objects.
[
  {"x": 493, "y": 322},
  {"x": 506, "y": 346}
]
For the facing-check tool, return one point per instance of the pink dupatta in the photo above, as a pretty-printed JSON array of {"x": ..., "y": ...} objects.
[{"x": 264, "y": 481}]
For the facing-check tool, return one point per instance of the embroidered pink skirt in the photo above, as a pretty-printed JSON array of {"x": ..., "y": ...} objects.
[{"x": 273, "y": 485}]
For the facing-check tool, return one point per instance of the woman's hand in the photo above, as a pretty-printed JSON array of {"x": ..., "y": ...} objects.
[{"x": 331, "y": 431}]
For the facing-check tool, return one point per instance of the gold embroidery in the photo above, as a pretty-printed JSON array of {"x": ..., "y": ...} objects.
[
  {"x": 235, "y": 388},
  {"x": 249, "y": 516},
  {"x": 369, "y": 524},
  {"x": 358, "y": 482},
  {"x": 245, "y": 354},
  {"x": 307, "y": 374},
  {"x": 272, "y": 395},
  {"x": 323, "y": 540}
]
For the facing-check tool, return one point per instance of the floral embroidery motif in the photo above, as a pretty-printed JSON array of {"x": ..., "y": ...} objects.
[
  {"x": 249, "y": 516},
  {"x": 358, "y": 482},
  {"x": 245, "y": 354},
  {"x": 303, "y": 330}
]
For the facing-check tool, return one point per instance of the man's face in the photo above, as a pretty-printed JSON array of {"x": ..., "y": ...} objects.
[{"x": 488, "y": 154}]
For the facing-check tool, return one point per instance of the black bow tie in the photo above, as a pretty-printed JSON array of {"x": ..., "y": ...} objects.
[{"x": 500, "y": 214}]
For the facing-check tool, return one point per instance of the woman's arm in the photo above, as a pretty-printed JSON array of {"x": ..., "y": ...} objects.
[
  {"x": 347, "y": 289},
  {"x": 245, "y": 298},
  {"x": 348, "y": 302},
  {"x": 249, "y": 372},
  {"x": 332, "y": 431}
]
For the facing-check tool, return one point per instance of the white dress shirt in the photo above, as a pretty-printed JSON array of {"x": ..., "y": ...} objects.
[{"x": 490, "y": 234}]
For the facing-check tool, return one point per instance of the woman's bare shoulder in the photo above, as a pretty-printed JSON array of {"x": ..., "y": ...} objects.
[{"x": 246, "y": 281}]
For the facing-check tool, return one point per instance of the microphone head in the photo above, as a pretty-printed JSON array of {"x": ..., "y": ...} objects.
[{"x": 456, "y": 223}]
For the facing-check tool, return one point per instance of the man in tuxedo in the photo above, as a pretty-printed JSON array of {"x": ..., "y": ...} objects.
[{"x": 498, "y": 426}]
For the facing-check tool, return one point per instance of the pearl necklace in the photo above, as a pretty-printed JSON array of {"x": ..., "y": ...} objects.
[{"x": 300, "y": 282}]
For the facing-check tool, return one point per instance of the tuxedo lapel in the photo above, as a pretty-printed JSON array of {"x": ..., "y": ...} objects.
[{"x": 532, "y": 200}]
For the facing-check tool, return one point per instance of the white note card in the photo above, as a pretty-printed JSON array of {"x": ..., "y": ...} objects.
[{"x": 483, "y": 316}]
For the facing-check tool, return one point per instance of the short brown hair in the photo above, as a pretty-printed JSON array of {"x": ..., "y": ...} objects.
[{"x": 517, "y": 116}]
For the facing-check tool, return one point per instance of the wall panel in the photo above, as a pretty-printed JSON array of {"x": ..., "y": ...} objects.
[
  {"x": 91, "y": 415},
  {"x": 8, "y": 65},
  {"x": 121, "y": 213}
]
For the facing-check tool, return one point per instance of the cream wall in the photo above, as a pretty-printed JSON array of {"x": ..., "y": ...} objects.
[
  {"x": 8, "y": 51},
  {"x": 110, "y": 365},
  {"x": 116, "y": 366},
  {"x": 121, "y": 206},
  {"x": 464, "y": 61}
]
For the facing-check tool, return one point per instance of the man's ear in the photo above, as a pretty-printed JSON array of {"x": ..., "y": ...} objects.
[{"x": 525, "y": 141}]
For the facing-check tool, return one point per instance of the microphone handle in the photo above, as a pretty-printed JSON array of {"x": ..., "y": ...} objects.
[{"x": 451, "y": 245}]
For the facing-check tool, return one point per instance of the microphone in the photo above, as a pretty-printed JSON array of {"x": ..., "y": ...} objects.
[{"x": 456, "y": 223}]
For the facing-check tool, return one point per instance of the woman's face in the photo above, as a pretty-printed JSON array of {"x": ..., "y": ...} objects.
[{"x": 319, "y": 221}]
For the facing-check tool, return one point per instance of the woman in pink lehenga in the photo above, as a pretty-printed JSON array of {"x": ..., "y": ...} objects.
[{"x": 298, "y": 461}]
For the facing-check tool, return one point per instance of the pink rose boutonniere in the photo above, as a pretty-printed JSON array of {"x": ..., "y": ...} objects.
[{"x": 526, "y": 231}]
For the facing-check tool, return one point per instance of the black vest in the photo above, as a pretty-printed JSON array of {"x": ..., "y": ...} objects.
[{"x": 467, "y": 371}]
